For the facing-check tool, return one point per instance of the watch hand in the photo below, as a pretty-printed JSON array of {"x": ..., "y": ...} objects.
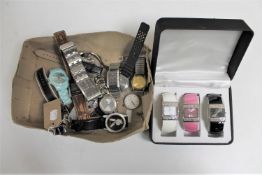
[
  {"x": 133, "y": 103},
  {"x": 112, "y": 124}
]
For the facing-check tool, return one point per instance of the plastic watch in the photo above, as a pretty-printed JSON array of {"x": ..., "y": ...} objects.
[{"x": 60, "y": 81}]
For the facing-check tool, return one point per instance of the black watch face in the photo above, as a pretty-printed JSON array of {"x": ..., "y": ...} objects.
[
  {"x": 217, "y": 112},
  {"x": 116, "y": 123}
]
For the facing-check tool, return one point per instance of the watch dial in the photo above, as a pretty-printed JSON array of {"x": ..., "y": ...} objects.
[
  {"x": 217, "y": 112},
  {"x": 191, "y": 112},
  {"x": 138, "y": 82},
  {"x": 107, "y": 104},
  {"x": 169, "y": 110},
  {"x": 132, "y": 101},
  {"x": 115, "y": 123},
  {"x": 58, "y": 78}
]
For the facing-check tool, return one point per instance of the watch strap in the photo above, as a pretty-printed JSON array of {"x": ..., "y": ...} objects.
[
  {"x": 60, "y": 38},
  {"x": 127, "y": 67},
  {"x": 90, "y": 124},
  {"x": 169, "y": 128},
  {"x": 214, "y": 98},
  {"x": 79, "y": 102},
  {"x": 45, "y": 88}
]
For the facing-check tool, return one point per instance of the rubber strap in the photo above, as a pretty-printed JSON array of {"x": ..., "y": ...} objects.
[{"x": 128, "y": 66}]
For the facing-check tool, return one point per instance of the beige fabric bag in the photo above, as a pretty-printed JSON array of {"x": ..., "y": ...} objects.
[{"x": 27, "y": 100}]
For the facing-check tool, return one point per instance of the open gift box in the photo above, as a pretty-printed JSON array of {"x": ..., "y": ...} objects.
[{"x": 198, "y": 56}]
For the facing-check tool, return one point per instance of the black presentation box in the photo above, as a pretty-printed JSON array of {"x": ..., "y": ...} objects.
[{"x": 195, "y": 55}]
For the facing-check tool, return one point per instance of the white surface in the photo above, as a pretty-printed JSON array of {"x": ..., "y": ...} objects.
[
  {"x": 195, "y": 57},
  {"x": 28, "y": 150},
  {"x": 180, "y": 138}
]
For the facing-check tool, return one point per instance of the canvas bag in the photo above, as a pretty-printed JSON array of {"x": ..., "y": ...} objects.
[{"x": 27, "y": 100}]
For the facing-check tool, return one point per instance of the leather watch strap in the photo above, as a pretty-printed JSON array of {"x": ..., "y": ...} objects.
[
  {"x": 44, "y": 86},
  {"x": 91, "y": 124},
  {"x": 127, "y": 67},
  {"x": 79, "y": 103},
  {"x": 60, "y": 39}
]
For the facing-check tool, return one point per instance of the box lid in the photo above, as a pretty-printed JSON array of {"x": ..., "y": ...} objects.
[{"x": 207, "y": 48}]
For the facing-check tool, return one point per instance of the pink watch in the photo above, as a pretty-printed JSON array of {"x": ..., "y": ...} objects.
[{"x": 191, "y": 122}]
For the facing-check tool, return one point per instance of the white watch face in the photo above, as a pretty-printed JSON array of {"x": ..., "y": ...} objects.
[
  {"x": 107, "y": 104},
  {"x": 169, "y": 110},
  {"x": 131, "y": 101}
]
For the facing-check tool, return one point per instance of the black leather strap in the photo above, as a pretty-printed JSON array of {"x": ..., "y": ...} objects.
[
  {"x": 90, "y": 124},
  {"x": 216, "y": 127},
  {"x": 44, "y": 86},
  {"x": 214, "y": 98},
  {"x": 127, "y": 67}
]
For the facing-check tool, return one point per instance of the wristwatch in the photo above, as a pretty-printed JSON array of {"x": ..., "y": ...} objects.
[
  {"x": 139, "y": 81},
  {"x": 116, "y": 122},
  {"x": 45, "y": 88},
  {"x": 216, "y": 115},
  {"x": 170, "y": 114},
  {"x": 108, "y": 104},
  {"x": 80, "y": 103},
  {"x": 127, "y": 66},
  {"x": 60, "y": 81},
  {"x": 131, "y": 102},
  {"x": 73, "y": 60},
  {"x": 92, "y": 63},
  {"x": 113, "y": 82},
  {"x": 191, "y": 120}
]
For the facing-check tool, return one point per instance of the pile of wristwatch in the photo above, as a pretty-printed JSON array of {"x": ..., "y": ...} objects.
[
  {"x": 91, "y": 92},
  {"x": 190, "y": 114}
]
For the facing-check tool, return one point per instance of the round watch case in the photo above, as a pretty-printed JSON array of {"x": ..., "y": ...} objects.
[
  {"x": 132, "y": 101},
  {"x": 108, "y": 104},
  {"x": 115, "y": 122},
  {"x": 138, "y": 82}
]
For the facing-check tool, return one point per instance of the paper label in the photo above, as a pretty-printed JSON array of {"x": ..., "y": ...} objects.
[{"x": 52, "y": 113}]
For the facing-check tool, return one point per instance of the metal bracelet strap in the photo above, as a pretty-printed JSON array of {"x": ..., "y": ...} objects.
[{"x": 78, "y": 72}]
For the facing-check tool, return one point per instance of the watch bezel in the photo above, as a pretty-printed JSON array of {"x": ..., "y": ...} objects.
[{"x": 115, "y": 131}]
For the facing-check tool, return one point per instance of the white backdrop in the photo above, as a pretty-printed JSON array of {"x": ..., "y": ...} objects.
[{"x": 28, "y": 150}]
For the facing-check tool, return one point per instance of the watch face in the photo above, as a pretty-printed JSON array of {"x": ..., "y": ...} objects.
[
  {"x": 138, "y": 82},
  {"x": 108, "y": 104},
  {"x": 115, "y": 122},
  {"x": 131, "y": 101},
  {"x": 190, "y": 112},
  {"x": 58, "y": 78},
  {"x": 217, "y": 112},
  {"x": 124, "y": 82}
]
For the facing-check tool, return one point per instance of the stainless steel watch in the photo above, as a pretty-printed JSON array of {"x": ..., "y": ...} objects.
[
  {"x": 78, "y": 72},
  {"x": 113, "y": 79},
  {"x": 116, "y": 122}
]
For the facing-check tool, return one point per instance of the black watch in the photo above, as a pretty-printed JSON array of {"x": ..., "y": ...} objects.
[
  {"x": 216, "y": 115},
  {"x": 128, "y": 66}
]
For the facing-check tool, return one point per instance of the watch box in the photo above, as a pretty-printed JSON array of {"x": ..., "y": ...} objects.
[{"x": 193, "y": 55}]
